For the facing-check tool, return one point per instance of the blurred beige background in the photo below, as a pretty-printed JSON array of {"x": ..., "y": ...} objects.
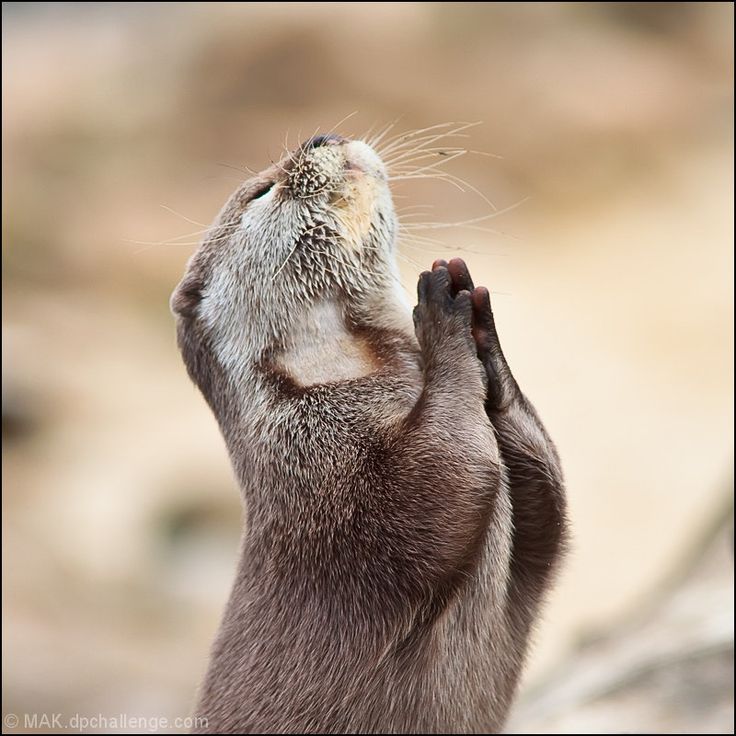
[{"x": 610, "y": 261}]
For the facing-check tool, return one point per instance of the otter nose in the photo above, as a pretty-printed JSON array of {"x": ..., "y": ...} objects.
[{"x": 331, "y": 139}]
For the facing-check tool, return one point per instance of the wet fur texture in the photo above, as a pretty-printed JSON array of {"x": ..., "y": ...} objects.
[{"x": 404, "y": 519}]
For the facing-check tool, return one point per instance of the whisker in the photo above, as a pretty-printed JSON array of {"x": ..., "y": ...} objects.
[
  {"x": 472, "y": 188},
  {"x": 207, "y": 229},
  {"x": 426, "y": 139},
  {"x": 395, "y": 276},
  {"x": 486, "y": 153},
  {"x": 415, "y": 207},
  {"x": 441, "y": 162},
  {"x": 444, "y": 176},
  {"x": 286, "y": 260},
  {"x": 183, "y": 217},
  {"x": 342, "y": 122},
  {"x": 178, "y": 239},
  {"x": 163, "y": 244},
  {"x": 422, "y": 142},
  {"x": 409, "y": 228},
  {"x": 436, "y": 177},
  {"x": 410, "y": 157},
  {"x": 423, "y": 150},
  {"x": 411, "y": 261},
  {"x": 303, "y": 152},
  {"x": 439, "y": 246},
  {"x": 421, "y": 238},
  {"x": 380, "y": 136},
  {"x": 240, "y": 169},
  {"x": 471, "y": 221},
  {"x": 416, "y": 149},
  {"x": 279, "y": 166},
  {"x": 403, "y": 215},
  {"x": 411, "y": 137}
]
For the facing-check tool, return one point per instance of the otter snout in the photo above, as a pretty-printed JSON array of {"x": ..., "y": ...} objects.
[{"x": 325, "y": 163}]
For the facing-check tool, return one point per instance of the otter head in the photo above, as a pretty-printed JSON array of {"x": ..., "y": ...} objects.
[{"x": 317, "y": 229}]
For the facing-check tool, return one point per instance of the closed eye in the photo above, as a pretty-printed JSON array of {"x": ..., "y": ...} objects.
[{"x": 265, "y": 189}]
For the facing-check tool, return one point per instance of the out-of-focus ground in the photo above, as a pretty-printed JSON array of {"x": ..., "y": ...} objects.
[{"x": 611, "y": 266}]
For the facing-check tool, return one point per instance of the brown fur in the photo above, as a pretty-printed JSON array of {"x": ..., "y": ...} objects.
[{"x": 402, "y": 526}]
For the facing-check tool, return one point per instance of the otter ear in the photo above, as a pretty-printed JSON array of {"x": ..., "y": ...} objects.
[{"x": 187, "y": 296}]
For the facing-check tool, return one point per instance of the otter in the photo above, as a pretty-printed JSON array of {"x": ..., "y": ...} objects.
[{"x": 404, "y": 504}]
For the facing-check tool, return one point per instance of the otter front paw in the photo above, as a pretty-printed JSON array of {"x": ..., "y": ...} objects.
[
  {"x": 501, "y": 387},
  {"x": 442, "y": 315}
]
